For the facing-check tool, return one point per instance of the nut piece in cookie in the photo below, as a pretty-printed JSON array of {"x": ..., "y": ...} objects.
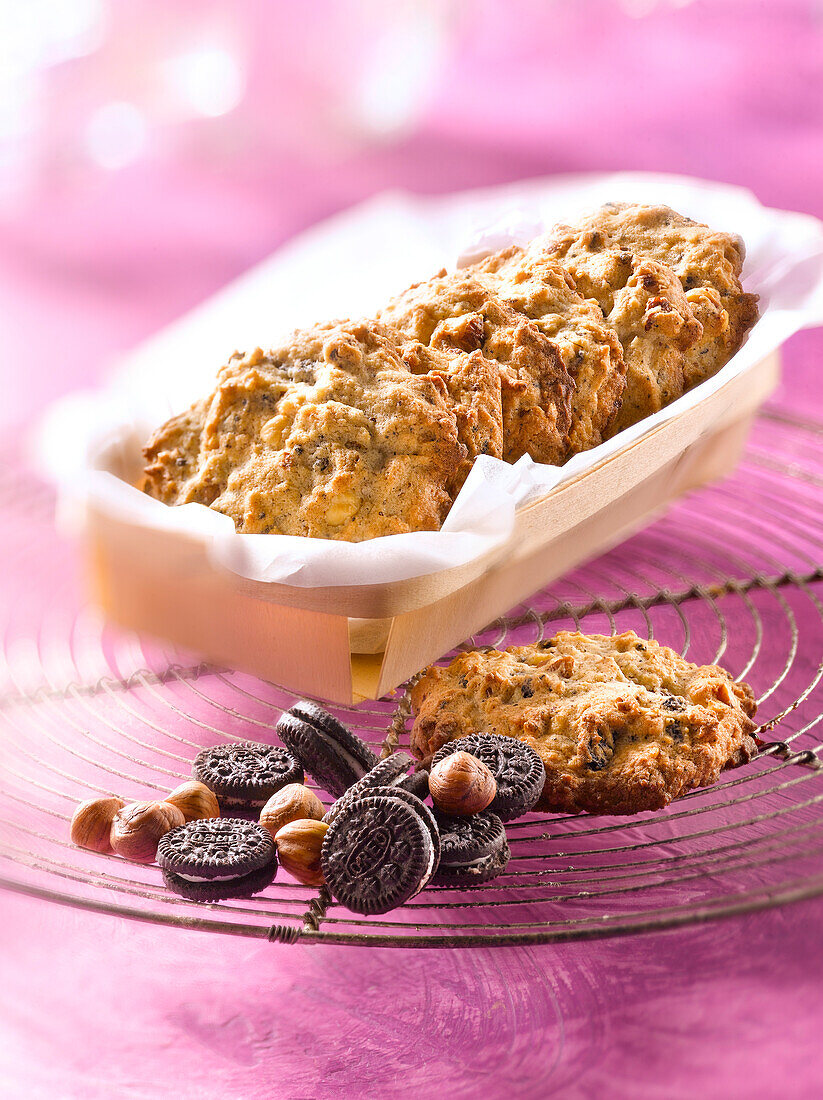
[
  {"x": 319, "y": 437},
  {"x": 606, "y": 250},
  {"x": 457, "y": 312},
  {"x": 621, "y": 724},
  {"x": 474, "y": 389}
]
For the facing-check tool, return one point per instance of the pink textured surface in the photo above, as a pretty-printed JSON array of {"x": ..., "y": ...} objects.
[{"x": 97, "y": 1006}]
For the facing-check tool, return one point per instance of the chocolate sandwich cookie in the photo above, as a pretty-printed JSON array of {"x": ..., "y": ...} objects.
[
  {"x": 472, "y": 849},
  {"x": 416, "y": 783},
  {"x": 216, "y": 858},
  {"x": 378, "y": 853},
  {"x": 389, "y": 772},
  {"x": 334, "y": 756},
  {"x": 365, "y": 788},
  {"x": 244, "y": 776},
  {"x": 516, "y": 767}
]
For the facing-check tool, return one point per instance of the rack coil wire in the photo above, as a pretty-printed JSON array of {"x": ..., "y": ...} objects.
[{"x": 731, "y": 574}]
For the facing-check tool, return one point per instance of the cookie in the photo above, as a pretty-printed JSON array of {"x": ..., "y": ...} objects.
[
  {"x": 622, "y": 724},
  {"x": 474, "y": 389},
  {"x": 386, "y": 773},
  {"x": 245, "y": 775},
  {"x": 334, "y": 756},
  {"x": 457, "y": 312},
  {"x": 533, "y": 283},
  {"x": 671, "y": 288},
  {"x": 377, "y": 854},
  {"x": 516, "y": 767},
  {"x": 472, "y": 849},
  {"x": 416, "y": 783},
  {"x": 364, "y": 788},
  {"x": 216, "y": 858},
  {"x": 320, "y": 437}
]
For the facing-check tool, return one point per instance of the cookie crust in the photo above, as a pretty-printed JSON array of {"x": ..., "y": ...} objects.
[{"x": 622, "y": 724}]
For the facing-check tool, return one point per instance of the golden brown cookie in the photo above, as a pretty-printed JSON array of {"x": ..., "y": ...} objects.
[
  {"x": 658, "y": 330},
  {"x": 474, "y": 390},
  {"x": 603, "y": 253},
  {"x": 621, "y": 724},
  {"x": 457, "y": 313},
  {"x": 323, "y": 437},
  {"x": 532, "y": 282}
]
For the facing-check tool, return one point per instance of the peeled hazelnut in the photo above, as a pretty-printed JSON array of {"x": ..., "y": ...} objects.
[
  {"x": 294, "y": 802},
  {"x": 461, "y": 785},
  {"x": 91, "y": 823},
  {"x": 194, "y": 800},
  {"x": 298, "y": 849},
  {"x": 136, "y": 830}
]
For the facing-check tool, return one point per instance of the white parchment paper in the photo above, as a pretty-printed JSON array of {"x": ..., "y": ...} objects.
[{"x": 349, "y": 266}]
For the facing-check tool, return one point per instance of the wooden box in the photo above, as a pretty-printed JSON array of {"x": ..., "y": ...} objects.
[{"x": 346, "y": 644}]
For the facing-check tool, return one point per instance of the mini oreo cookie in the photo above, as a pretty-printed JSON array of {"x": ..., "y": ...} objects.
[
  {"x": 473, "y": 849},
  {"x": 417, "y": 783},
  {"x": 216, "y": 858},
  {"x": 377, "y": 854},
  {"x": 244, "y": 776},
  {"x": 334, "y": 756},
  {"x": 363, "y": 789},
  {"x": 389, "y": 772},
  {"x": 516, "y": 767}
]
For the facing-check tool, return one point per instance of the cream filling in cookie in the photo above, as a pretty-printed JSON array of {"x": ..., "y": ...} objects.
[
  {"x": 355, "y": 764},
  {"x": 209, "y": 878},
  {"x": 428, "y": 872},
  {"x": 464, "y": 866}
]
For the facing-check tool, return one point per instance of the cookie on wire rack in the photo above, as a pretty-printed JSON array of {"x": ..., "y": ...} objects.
[
  {"x": 244, "y": 775},
  {"x": 378, "y": 852},
  {"x": 217, "y": 858},
  {"x": 622, "y": 724},
  {"x": 333, "y": 755}
]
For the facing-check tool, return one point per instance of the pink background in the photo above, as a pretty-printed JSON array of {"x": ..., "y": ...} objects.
[{"x": 93, "y": 259}]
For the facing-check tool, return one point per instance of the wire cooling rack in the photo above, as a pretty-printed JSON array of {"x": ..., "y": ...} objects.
[{"x": 730, "y": 574}]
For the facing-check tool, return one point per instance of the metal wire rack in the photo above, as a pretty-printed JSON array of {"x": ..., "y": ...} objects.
[{"x": 731, "y": 574}]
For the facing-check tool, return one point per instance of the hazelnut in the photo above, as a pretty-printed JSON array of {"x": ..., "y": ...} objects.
[
  {"x": 91, "y": 823},
  {"x": 294, "y": 802},
  {"x": 137, "y": 828},
  {"x": 298, "y": 849},
  {"x": 194, "y": 800},
  {"x": 461, "y": 785}
]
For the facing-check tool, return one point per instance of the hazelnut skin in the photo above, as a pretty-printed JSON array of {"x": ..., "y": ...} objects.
[
  {"x": 137, "y": 828},
  {"x": 91, "y": 823},
  {"x": 294, "y": 802},
  {"x": 194, "y": 800},
  {"x": 461, "y": 785},
  {"x": 298, "y": 849}
]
